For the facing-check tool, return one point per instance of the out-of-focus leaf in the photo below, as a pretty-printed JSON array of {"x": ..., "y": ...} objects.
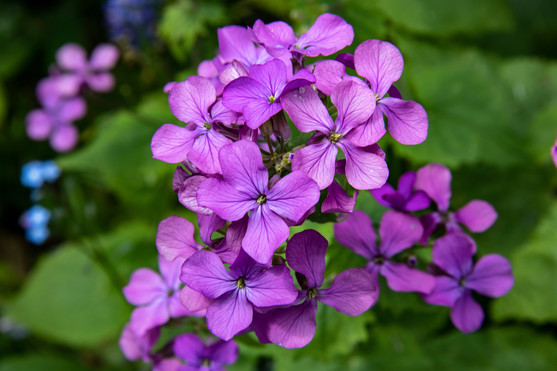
[
  {"x": 447, "y": 18},
  {"x": 543, "y": 131},
  {"x": 185, "y": 20},
  {"x": 534, "y": 296},
  {"x": 34, "y": 362},
  {"x": 69, "y": 299},
  {"x": 365, "y": 19},
  {"x": 470, "y": 110},
  {"x": 3, "y": 104}
]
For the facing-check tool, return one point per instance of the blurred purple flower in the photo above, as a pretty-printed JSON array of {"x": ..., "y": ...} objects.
[{"x": 202, "y": 357}]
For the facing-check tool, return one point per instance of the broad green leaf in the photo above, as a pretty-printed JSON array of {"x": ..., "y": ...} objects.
[
  {"x": 534, "y": 296},
  {"x": 34, "y": 362},
  {"x": 69, "y": 299},
  {"x": 448, "y": 18}
]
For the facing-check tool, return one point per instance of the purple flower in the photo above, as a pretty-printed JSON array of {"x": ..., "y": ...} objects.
[
  {"x": 258, "y": 96},
  {"x": 72, "y": 58},
  {"x": 405, "y": 199},
  {"x": 195, "y": 103},
  {"x": 157, "y": 297},
  {"x": 398, "y": 232},
  {"x": 355, "y": 104},
  {"x": 136, "y": 347},
  {"x": 236, "y": 292},
  {"x": 245, "y": 188},
  {"x": 202, "y": 357},
  {"x": 490, "y": 276},
  {"x": 435, "y": 181},
  {"x": 352, "y": 292},
  {"x": 329, "y": 34},
  {"x": 175, "y": 238},
  {"x": 337, "y": 200},
  {"x": 554, "y": 153},
  {"x": 235, "y": 45}
]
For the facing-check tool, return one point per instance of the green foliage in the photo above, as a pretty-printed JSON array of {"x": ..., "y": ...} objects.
[{"x": 33, "y": 362}]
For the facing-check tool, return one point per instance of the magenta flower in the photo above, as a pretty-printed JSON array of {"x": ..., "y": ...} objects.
[
  {"x": 235, "y": 45},
  {"x": 352, "y": 292},
  {"x": 355, "y": 104},
  {"x": 175, "y": 239},
  {"x": 245, "y": 188},
  {"x": 195, "y": 103},
  {"x": 398, "y": 232},
  {"x": 337, "y": 200},
  {"x": 236, "y": 292},
  {"x": 258, "y": 96},
  {"x": 405, "y": 199},
  {"x": 72, "y": 58},
  {"x": 490, "y": 276},
  {"x": 435, "y": 181},
  {"x": 136, "y": 347},
  {"x": 202, "y": 357},
  {"x": 329, "y": 34},
  {"x": 157, "y": 297},
  {"x": 554, "y": 153}
]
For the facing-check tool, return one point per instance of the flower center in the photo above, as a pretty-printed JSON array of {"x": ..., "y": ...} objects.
[
  {"x": 379, "y": 260},
  {"x": 272, "y": 99},
  {"x": 206, "y": 362},
  {"x": 312, "y": 293},
  {"x": 462, "y": 282},
  {"x": 261, "y": 199},
  {"x": 207, "y": 125},
  {"x": 240, "y": 283},
  {"x": 334, "y": 137}
]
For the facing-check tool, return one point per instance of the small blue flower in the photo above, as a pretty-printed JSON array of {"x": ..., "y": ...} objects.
[
  {"x": 50, "y": 171},
  {"x": 37, "y": 216},
  {"x": 32, "y": 174},
  {"x": 37, "y": 235}
]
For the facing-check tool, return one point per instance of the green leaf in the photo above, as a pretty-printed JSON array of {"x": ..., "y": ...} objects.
[
  {"x": 34, "y": 362},
  {"x": 534, "y": 296},
  {"x": 448, "y": 18},
  {"x": 69, "y": 299}
]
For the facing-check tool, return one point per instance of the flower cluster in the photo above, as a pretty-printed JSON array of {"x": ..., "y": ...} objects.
[
  {"x": 35, "y": 220},
  {"x": 59, "y": 93},
  {"x": 249, "y": 178}
]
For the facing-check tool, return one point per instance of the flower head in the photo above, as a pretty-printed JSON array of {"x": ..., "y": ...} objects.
[{"x": 205, "y": 357}]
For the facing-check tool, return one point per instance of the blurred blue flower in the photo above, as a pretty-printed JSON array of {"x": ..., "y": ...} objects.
[
  {"x": 32, "y": 175},
  {"x": 131, "y": 21},
  {"x": 37, "y": 235},
  {"x": 36, "y": 216},
  {"x": 50, "y": 171}
]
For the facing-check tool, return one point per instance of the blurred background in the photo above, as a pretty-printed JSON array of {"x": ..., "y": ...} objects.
[{"x": 486, "y": 73}]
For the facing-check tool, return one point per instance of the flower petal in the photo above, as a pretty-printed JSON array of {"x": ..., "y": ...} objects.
[
  {"x": 337, "y": 200},
  {"x": 229, "y": 314},
  {"x": 466, "y": 314},
  {"x": 273, "y": 287},
  {"x": 353, "y": 292},
  {"x": 104, "y": 57},
  {"x": 71, "y": 57},
  {"x": 190, "y": 348},
  {"x": 193, "y": 300},
  {"x": 205, "y": 151},
  {"x": 222, "y": 353},
  {"x": 401, "y": 277},
  {"x": 145, "y": 286},
  {"x": 266, "y": 231},
  {"x": 64, "y": 138},
  {"x": 190, "y": 100},
  {"x": 398, "y": 231},
  {"x": 276, "y": 37},
  {"x": 235, "y": 43},
  {"x": 328, "y": 74},
  {"x": 293, "y": 195},
  {"x": 150, "y": 316},
  {"x": 205, "y": 273},
  {"x": 242, "y": 167},
  {"x": 477, "y": 215},
  {"x": 453, "y": 253},
  {"x": 355, "y": 104},
  {"x": 370, "y": 131},
  {"x": 38, "y": 124},
  {"x": 305, "y": 253},
  {"x": 380, "y": 62},
  {"x": 306, "y": 110},
  {"x": 357, "y": 234},
  {"x": 364, "y": 170},
  {"x": 446, "y": 292},
  {"x": 187, "y": 194},
  {"x": 492, "y": 276},
  {"x": 293, "y": 327},
  {"x": 225, "y": 200},
  {"x": 175, "y": 238},
  {"x": 329, "y": 34},
  {"x": 317, "y": 161},
  {"x": 100, "y": 82},
  {"x": 408, "y": 122},
  {"x": 209, "y": 224},
  {"x": 72, "y": 109},
  {"x": 435, "y": 180},
  {"x": 172, "y": 143}
]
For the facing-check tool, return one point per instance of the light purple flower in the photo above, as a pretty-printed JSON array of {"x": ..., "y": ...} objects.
[
  {"x": 352, "y": 292},
  {"x": 490, "y": 276},
  {"x": 195, "y": 103},
  {"x": 136, "y": 347},
  {"x": 258, "y": 96},
  {"x": 405, "y": 199},
  {"x": 435, "y": 181},
  {"x": 157, "y": 297},
  {"x": 554, "y": 153},
  {"x": 72, "y": 58},
  {"x": 355, "y": 104},
  {"x": 236, "y": 292},
  {"x": 202, "y": 357},
  {"x": 329, "y": 34},
  {"x": 245, "y": 188},
  {"x": 398, "y": 232}
]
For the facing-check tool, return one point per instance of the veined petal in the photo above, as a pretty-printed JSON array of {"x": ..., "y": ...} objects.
[
  {"x": 205, "y": 151},
  {"x": 306, "y": 110},
  {"x": 370, "y": 131},
  {"x": 364, "y": 170},
  {"x": 242, "y": 167},
  {"x": 234, "y": 70},
  {"x": 172, "y": 143},
  {"x": 355, "y": 104},
  {"x": 229, "y": 314},
  {"x": 302, "y": 78},
  {"x": 145, "y": 286},
  {"x": 329, "y": 34},
  {"x": 293, "y": 327},
  {"x": 398, "y": 231},
  {"x": 408, "y": 122},
  {"x": 187, "y": 194},
  {"x": 435, "y": 180},
  {"x": 219, "y": 113},
  {"x": 353, "y": 292},
  {"x": 175, "y": 238},
  {"x": 193, "y": 300},
  {"x": 190, "y": 100},
  {"x": 205, "y": 273},
  {"x": 271, "y": 74},
  {"x": 380, "y": 62},
  {"x": 225, "y": 200},
  {"x": 401, "y": 277},
  {"x": 208, "y": 224},
  {"x": 492, "y": 276},
  {"x": 305, "y": 253},
  {"x": 357, "y": 234},
  {"x": 466, "y": 314},
  {"x": 337, "y": 200},
  {"x": 273, "y": 287},
  {"x": 276, "y": 37},
  {"x": 453, "y": 253},
  {"x": 293, "y": 195},
  {"x": 317, "y": 161},
  {"x": 266, "y": 231},
  {"x": 235, "y": 43},
  {"x": 328, "y": 74},
  {"x": 477, "y": 215}
]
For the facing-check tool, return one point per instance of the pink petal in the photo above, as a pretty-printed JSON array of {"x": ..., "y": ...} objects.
[
  {"x": 446, "y": 292},
  {"x": 104, "y": 57},
  {"x": 235, "y": 43},
  {"x": 172, "y": 143},
  {"x": 38, "y": 124},
  {"x": 398, "y": 232},
  {"x": 328, "y": 74},
  {"x": 193, "y": 300},
  {"x": 234, "y": 70},
  {"x": 71, "y": 57},
  {"x": 353, "y": 292},
  {"x": 306, "y": 110},
  {"x": 276, "y": 37},
  {"x": 190, "y": 100},
  {"x": 145, "y": 286},
  {"x": 407, "y": 120},
  {"x": 435, "y": 180},
  {"x": 229, "y": 315},
  {"x": 266, "y": 231},
  {"x": 355, "y": 104},
  {"x": 150, "y": 316},
  {"x": 477, "y": 215},
  {"x": 364, "y": 170},
  {"x": 72, "y": 109},
  {"x": 466, "y": 314},
  {"x": 492, "y": 276},
  {"x": 190, "y": 348},
  {"x": 380, "y": 62},
  {"x": 64, "y": 138},
  {"x": 175, "y": 238},
  {"x": 329, "y": 34},
  {"x": 100, "y": 82},
  {"x": 187, "y": 194},
  {"x": 305, "y": 253},
  {"x": 209, "y": 224},
  {"x": 317, "y": 161}
]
